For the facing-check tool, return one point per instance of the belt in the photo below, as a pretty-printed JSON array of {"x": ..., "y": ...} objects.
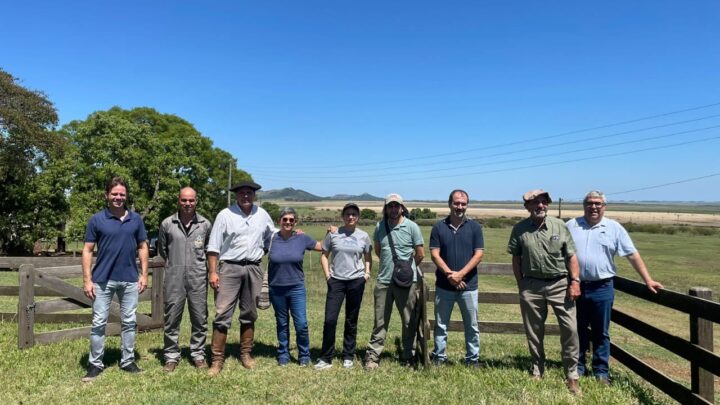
[
  {"x": 547, "y": 280},
  {"x": 601, "y": 281},
  {"x": 244, "y": 262}
]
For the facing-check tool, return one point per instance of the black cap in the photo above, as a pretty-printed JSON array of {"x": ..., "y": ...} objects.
[
  {"x": 350, "y": 205},
  {"x": 246, "y": 183}
]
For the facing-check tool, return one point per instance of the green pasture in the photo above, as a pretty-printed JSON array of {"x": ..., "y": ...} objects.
[{"x": 51, "y": 374}]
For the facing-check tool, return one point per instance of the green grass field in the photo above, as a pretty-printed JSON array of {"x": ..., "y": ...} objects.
[{"x": 51, "y": 374}]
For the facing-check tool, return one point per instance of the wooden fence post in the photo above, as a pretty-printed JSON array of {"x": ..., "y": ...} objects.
[
  {"x": 701, "y": 334},
  {"x": 157, "y": 305},
  {"x": 26, "y": 306}
]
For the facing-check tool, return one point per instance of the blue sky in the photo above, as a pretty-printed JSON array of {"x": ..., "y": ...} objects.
[{"x": 414, "y": 97}]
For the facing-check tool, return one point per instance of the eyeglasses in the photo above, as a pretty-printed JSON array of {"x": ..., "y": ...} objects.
[
  {"x": 594, "y": 204},
  {"x": 287, "y": 220}
]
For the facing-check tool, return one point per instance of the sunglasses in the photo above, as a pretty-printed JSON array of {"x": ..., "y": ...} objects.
[{"x": 287, "y": 220}]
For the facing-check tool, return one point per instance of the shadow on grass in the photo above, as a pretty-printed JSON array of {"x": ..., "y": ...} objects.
[{"x": 111, "y": 358}]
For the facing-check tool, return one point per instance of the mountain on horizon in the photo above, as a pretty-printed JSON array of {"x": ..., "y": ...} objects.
[{"x": 291, "y": 194}]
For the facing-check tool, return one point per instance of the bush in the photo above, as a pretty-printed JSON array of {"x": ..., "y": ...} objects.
[
  {"x": 367, "y": 213},
  {"x": 272, "y": 209}
]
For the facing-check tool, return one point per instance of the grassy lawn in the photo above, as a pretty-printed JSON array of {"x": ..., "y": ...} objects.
[{"x": 51, "y": 374}]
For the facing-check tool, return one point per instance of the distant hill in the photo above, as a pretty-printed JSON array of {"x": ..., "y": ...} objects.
[{"x": 291, "y": 194}]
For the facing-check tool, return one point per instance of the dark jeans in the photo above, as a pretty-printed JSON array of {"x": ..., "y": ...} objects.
[
  {"x": 291, "y": 299},
  {"x": 337, "y": 291},
  {"x": 593, "y": 314}
]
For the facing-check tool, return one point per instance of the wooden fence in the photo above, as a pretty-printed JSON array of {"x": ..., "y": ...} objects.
[
  {"x": 698, "y": 304},
  {"x": 50, "y": 282}
]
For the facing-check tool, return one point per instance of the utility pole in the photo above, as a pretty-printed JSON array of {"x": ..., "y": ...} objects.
[
  {"x": 231, "y": 163},
  {"x": 560, "y": 208}
]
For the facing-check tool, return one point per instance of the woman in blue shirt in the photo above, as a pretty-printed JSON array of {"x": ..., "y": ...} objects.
[{"x": 287, "y": 286}]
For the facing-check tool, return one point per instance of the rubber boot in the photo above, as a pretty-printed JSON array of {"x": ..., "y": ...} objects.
[
  {"x": 247, "y": 334},
  {"x": 218, "y": 352}
]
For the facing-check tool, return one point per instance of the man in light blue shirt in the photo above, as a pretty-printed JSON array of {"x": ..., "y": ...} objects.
[{"x": 597, "y": 241}]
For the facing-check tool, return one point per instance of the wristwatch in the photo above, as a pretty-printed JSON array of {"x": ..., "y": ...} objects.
[{"x": 577, "y": 280}]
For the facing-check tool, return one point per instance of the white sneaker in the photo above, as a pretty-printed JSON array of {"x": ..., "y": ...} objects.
[
  {"x": 321, "y": 365},
  {"x": 348, "y": 364}
]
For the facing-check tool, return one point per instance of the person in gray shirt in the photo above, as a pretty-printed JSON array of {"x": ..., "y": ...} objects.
[
  {"x": 346, "y": 276},
  {"x": 182, "y": 241}
]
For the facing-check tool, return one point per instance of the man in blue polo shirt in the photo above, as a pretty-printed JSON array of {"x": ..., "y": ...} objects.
[
  {"x": 456, "y": 248},
  {"x": 119, "y": 234},
  {"x": 598, "y": 240}
]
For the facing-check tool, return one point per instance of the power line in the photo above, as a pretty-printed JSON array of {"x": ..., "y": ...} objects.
[{"x": 665, "y": 184}]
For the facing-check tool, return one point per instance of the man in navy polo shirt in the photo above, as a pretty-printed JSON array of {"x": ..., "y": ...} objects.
[
  {"x": 119, "y": 234},
  {"x": 456, "y": 248}
]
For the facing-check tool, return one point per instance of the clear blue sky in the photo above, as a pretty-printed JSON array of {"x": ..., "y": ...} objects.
[{"x": 404, "y": 96}]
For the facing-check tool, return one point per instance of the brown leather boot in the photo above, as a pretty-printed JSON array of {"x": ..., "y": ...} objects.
[
  {"x": 218, "y": 352},
  {"x": 247, "y": 334}
]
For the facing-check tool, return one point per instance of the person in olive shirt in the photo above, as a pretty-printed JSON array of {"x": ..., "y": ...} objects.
[{"x": 547, "y": 273}]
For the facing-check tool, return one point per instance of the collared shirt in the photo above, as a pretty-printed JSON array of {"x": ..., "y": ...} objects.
[
  {"x": 597, "y": 245},
  {"x": 237, "y": 236},
  {"x": 117, "y": 244},
  {"x": 406, "y": 235},
  {"x": 183, "y": 247},
  {"x": 543, "y": 249},
  {"x": 457, "y": 246}
]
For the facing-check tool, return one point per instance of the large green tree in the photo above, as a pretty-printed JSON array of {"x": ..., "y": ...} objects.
[
  {"x": 30, "y": 206},
  {"x": 156, "y": 153}
]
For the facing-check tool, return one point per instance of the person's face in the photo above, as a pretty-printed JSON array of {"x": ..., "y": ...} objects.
[
  {"x": 538, "y": 207},
  {"x": 245, "y": 197},
  {"x": 350, "y": 216},
  {"x": 458, "y": 206},
  {"x": 287, "y": 222},
  {"x": 394, "y": 210},
  {"x": 116, "y": 197},
  {"x": 594, "y": 210},
  {"x": 187, "y": 201}
]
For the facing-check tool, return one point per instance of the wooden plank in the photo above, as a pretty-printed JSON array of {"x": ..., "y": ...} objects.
[
  {"x": 38, "y": 262},
  {"x": 112, "y": 329},
  {"x": 709, "y": 310},
  {"x": 499, "y": 269},
  {"x": 40, "y": 291},
  {"x": 63, "y": 318},
  {"x": 26, "y": 306},
  {"x": 701, "y": 334},
  {"x": 157, "y": 307},
  {"x": 58, "y": 305},
  {"x": 675, "y": 390},
  {"x": 513, "y": 328},
  {"x": 78, "y": 294},
  {"x": 687, "y": 350},
  {"x": 487, "y": 297},
  {"x": 8, "y": 317}
]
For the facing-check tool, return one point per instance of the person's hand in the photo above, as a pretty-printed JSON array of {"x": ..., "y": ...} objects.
[
  {"x": 455, "y": 278},
  {"x": 461, "y": 285},
  {"x": 653, "y": 286},
  {"x": 89, "y": 289},
  {"x": 332, "y": 229},
  {"x": 214, "y": 280},
  {"x": 367, "y": 277},
  {"x": 573, "y": 290},
  {"x": 142, "y": 283}
]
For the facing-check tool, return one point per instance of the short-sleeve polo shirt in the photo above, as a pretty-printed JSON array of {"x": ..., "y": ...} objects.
[
  {"x": 543, "y": 249},
  {"x": 406, "y": 236},
  {"x": 457, "y": 247},
  {"x": 117, "y": 244},
  {"x": 597, "y": 245}
]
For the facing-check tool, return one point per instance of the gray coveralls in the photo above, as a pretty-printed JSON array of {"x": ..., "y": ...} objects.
[{"x": 185, "y": 277}]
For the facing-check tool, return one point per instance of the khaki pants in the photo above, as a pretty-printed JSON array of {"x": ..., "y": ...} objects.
[
  {"x": 237, "y": 283},
  {"x": 535, "y": 296},
  {"x": 404, "y": 299}
]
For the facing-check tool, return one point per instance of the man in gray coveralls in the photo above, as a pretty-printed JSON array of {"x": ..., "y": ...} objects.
[{"x": 182, "y": 241}]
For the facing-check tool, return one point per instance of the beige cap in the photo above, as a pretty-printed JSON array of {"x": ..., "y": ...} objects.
[
  {"x": 392, "y": 197},
  {"x": 533, "y": 194}
]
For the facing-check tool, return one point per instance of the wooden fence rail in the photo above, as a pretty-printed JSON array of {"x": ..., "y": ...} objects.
[
  {"x": 49, "y": 282},
  {"x": 698, "y": 304}
]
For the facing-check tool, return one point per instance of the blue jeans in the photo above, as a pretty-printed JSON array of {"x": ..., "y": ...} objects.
[
  {"x": 127, "y": 293},
  {"x": 291, "y": 299},
  {"x": 468, "y": 303},
  {"x": 593, "y": 316}
]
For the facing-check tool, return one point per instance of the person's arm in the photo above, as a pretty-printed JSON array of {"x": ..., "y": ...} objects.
[
  {"x": 368, "y": 264},
  {"x": 87, "y": 255},
  {"x": 162, "y": 243},
  {"x": 213, "y": 278},
  {"x": 573, "y": 285},
  {"x": 317, "y": 247},
  {"x": 419, "y": 254},
  {"x": 440, "y": 263},
  {"x": 517, "y": 268},
  {"x": 376, "y": 247},
  {"x": 144, "y": 255},
  {"x": 639, "y": 265},
  {"x": 325, "y": 263},
  {"x": 474, "y": 261}
]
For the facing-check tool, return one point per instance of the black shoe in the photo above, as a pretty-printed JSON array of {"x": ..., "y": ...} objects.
[
  {"x": 472, "y": 364},
  {"x": 131, "y": 368},
  {"x": 92, "y": 373}
]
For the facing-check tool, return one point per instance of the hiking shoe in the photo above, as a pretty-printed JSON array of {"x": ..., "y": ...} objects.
[
  {"x": 131, "y": 368},
  {"x": 603, "y": 380},
  {"x": 322, "y": 365},
  {"x": 200, "y": 363},
  {"x": 371, "y": 365},
  {"x": 472, "y": 364},
  {"x": 347, "y": 363},
  {"x": 169, "y": 366},
  {"x": 573, "y": 386},
  {"x": 92, "y": 373}
]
